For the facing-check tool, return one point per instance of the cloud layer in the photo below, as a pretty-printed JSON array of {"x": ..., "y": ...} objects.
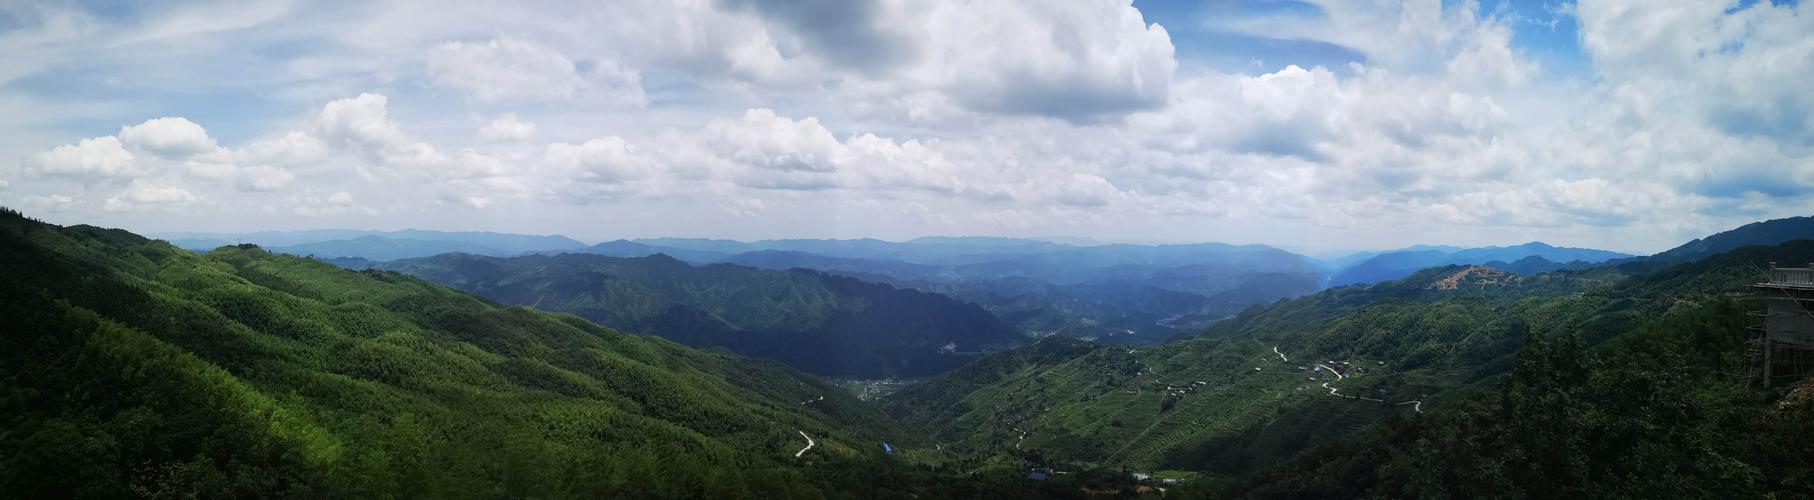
[{"x": 752, "y": 118}]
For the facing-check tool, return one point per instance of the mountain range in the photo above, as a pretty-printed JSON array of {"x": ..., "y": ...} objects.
[
  {"x": 820, "y": 323},
  {"x": 133, "y": 367},
  {"x": 377, "y": 245},
  {"x": 1374, "y": 267}
]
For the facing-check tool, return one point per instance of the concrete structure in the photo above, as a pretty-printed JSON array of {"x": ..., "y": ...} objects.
[{"x": 1783, "y": 349}]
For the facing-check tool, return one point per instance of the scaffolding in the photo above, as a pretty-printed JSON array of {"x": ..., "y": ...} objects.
[{"x": 1782, "y": 350}]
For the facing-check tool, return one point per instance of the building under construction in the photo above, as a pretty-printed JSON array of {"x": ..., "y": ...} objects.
[{"x": 1783, "y": 349}]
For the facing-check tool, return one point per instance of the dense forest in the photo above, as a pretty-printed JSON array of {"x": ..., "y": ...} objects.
[{"x": 820, "y": 323}]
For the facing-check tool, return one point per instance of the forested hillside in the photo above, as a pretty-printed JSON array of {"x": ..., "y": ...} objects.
[
  {"x": 129, "y": 367},
  {"x": 1619, "y": 381},
  {"x": 816, "y": 322}
]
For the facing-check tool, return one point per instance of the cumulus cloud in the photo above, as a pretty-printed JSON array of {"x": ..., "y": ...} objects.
[
  {"x": 1738, "y": 70},
  {"x": 363, "y": 124},
  {"x": 169, "y": 137},
  {"x": 606, "y": 160},
  {"x": 857, "y": 34},
  {"x": 507, "y": 128},
  {"x": 291, "y": 148},
  {"x": 764, "y": 140},
  {"x": 314, "y": 203},
  {"x": 508, "y": 68},
  {"x": 1076, "y": 60},
  {"x": 148, "y": 195},
  {"x": 89, "y": 159},
  {"x": 976, "y": 116},
  {"x": 264, "y": 178}
]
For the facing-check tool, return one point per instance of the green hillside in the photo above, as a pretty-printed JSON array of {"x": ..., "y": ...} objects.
[
  {"x": 129, "y": 367},
  {"x": 820, "y": 323},
  {"x": 1425, "y": 363}
]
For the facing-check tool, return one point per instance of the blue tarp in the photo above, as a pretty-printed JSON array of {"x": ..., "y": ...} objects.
[{"x": 886, "y": 448}]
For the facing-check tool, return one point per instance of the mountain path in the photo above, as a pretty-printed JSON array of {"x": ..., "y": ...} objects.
[
  {"x": 809, "y": 445},
  {"x": 1416, "y": 404}
]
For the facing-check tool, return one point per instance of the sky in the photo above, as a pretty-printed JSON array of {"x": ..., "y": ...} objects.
[{"x": 1309, "y": 125}]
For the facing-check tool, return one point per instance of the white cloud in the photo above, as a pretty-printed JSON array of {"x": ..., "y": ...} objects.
[
  {"x": 168, "y": 137},
  {"x": 508, "y": 68},
  {"x": 1738, "y": 71},
  {"x": 764, "y": 140},
  {"x": 507, "y": 128},
  {"x": 50, "y": 201},
  {"x": 606, "y": 160},
  {"x": 90, "y": 159},
  {"x": 963, "y": 116},
  {"x": 363, "y": 124},
  {"x": 1076, "y": 60},
  {"x": 292, "y": 148},
  {"x": 313, "y": 203},
  {"x": 263, "y": 178},
  {"x": 148, "y": 195}
]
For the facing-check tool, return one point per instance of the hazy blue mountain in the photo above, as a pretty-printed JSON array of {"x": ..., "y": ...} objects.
[
  {"x": 492, "y": 243},
  {"x": 1768, "y": 232},
  {"x": 1127, "y": 294},
  {"x": 817, "y": 322},
  {"x": 1535, "y": 248},
  {"x": 1386, "y": 266},
  {"x": 627, "y": 248},
  {"x": 876, "y": 269},
  {"x": 1352, "y": 258},
  {"x": 382, "y": 248},
  {"x": 701, "y": 244}
]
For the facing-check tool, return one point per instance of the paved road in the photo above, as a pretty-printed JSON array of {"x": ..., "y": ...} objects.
[
  {"x": 1275, "y": 350},
  {"x": 809, "y": 444}
]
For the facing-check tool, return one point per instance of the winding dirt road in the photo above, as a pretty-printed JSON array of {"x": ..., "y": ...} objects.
[{"x": 809, "y": 444}]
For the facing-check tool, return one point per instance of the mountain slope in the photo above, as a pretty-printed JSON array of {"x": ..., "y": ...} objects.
[
  {"x": 816, "y": 322},
  {"x": 1585, "y": 383},
  {"x": 1768, "y": 232},
  {"x": 1387, "y": 266},
  {"x": 131, "y": 367}
]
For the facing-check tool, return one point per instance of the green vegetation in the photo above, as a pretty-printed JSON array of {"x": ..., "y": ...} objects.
[
  {"x": 129, "y": 367},
  {"x": 1617, "y": 381}
]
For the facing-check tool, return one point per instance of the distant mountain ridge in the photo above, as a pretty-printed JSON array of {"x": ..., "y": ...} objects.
[
  {"x": 377, "y": 245},
  {"x": 1391, "y": 265},
  {"x": 1768, "y": 232},
  {"x": 826, "y": 324}
]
